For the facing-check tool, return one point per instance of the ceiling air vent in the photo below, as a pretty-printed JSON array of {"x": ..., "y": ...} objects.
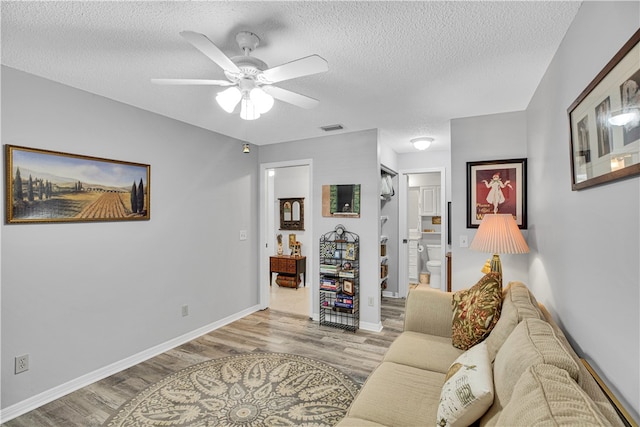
[{"x": 331, "y": 128}]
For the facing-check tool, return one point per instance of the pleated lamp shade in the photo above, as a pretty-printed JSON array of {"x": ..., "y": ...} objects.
[{"x": 498, "y": 234}]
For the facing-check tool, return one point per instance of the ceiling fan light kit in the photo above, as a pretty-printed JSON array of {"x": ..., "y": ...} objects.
[
  {"x": 248, "y": 110},
  {"x": 228, "y": 99},
  {"x": 250, "y": 81},
  {"x": 421, "y": 143},
  {"x": 261, "y": 99}
]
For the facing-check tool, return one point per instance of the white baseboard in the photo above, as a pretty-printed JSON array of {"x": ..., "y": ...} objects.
[
  {"x": 390, "y": 294},
  {"x": 373, "y": 327},
  {"x": 57, "y": 392}
]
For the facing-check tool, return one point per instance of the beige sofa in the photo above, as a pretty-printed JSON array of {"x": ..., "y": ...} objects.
[{"x": 537, "y": 377}]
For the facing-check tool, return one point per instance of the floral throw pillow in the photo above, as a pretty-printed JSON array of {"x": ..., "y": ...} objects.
[{"x": 476, "y": 311}]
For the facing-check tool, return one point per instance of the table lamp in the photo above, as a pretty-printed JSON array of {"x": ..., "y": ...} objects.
[{"x": 499, "y": 233}]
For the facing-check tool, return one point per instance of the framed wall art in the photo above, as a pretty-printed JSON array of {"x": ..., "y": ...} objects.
[
  {"x": 341, "y": 201},
  {"x": 292, "y": 214},
  {"x": 50, "y": 186},
  {"x": 497, "y": 186},
  {"x": 605, "y": 122},
  {"x": 347, "y": 287},
  {"x": 350, "y": 252}
]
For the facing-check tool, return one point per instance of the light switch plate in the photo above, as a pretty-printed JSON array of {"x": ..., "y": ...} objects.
[{"x": 464, "y": 241}]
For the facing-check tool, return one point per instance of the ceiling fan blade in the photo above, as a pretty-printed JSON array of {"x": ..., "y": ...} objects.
[
  {"x": 301, "y": 67},
  {"x": 296, "y": 99},
  {"x": 192, "y": 82},
  {"x": 206, "y": 46}
]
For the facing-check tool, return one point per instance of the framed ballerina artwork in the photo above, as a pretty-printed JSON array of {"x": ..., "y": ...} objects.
[{"x": 497, "y": 186}]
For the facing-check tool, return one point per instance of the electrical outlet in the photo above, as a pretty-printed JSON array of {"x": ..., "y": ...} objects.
[
  {"x": 185, "y": 310},
  {"x": 371, "y": 302},
  {"x": 243, "y": 234},
  {"x": 22, "y": 363}
]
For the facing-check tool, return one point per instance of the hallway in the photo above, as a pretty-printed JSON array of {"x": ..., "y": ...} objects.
[{"x": 290, "y": 300}]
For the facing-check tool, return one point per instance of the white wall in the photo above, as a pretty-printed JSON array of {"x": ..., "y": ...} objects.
[
  {"x": 428, "y": 159},
  {"x": 349, "y": 158},
  {"x": 492, "y": 137},
  {"x": 79, "y": 297},
  {"x": 585, "y": 261},
  {"x": 291, "y": 182}
]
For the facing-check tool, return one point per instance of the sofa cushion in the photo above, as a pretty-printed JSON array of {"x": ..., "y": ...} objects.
[
  {"x": 428, "y": 311},
  {"x": 468, "y": 389},
  {"x": 423, "y": 351},
  {"x": 398, "y": 395},
  {"x": 532, "y": 342},
  {"x": 518, "y": 304},
  {"x": 476, "y": 311},
  {"x": 547, "y": 395}
]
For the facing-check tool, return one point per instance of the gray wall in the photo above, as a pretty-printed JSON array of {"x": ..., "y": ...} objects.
[
  {"x": 80, "y": 297},
  {"x": 585, "y": 244},
  {"x": 493, "y": 137},
  {"x": 349, "y": 158}
]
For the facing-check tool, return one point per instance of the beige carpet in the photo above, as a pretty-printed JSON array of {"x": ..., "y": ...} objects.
[{"x": 262, "y": 389}]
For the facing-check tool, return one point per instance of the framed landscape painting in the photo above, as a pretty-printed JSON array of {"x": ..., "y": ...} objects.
[
  {"x": 497, "y": 186},
  {"x": 49, "y": 186}
]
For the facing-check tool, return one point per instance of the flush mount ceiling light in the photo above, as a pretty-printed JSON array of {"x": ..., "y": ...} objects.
[
  {"x": 421, "y": 143},
  {"x": 250, "y": 81}
]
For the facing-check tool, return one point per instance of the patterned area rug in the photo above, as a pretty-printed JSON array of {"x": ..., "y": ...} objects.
[{"x": 262, "y": 389}]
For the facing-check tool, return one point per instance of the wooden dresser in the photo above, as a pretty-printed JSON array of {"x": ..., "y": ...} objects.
[{"x": 289, "y": 266}]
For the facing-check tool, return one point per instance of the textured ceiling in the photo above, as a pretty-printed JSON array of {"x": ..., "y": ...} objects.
[{"x": 406, "y": 68}]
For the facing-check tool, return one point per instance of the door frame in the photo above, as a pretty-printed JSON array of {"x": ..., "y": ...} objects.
[
  {"x": 403, "y": 229},
  {"x": 267, "y": 231}
]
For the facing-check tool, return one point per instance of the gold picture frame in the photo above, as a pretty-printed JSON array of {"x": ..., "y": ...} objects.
[
  {"x": 350, "y": 252},
  {"x": 44, "y": 186}
]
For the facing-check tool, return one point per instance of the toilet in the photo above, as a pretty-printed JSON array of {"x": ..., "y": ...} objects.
[{"x": 433, "y": 265}]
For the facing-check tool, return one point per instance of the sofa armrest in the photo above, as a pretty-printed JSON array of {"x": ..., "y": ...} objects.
[{"x": 429, "y": 311}]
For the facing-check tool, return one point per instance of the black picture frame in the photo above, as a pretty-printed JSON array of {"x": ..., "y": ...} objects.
[{"x": 497, "y": 186}]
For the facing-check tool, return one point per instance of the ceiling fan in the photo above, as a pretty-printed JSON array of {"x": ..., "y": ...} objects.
[{"x": 250, "y": 81}]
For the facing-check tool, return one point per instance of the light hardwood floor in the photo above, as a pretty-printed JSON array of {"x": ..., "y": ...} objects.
[{"x": 265, "y": 331}]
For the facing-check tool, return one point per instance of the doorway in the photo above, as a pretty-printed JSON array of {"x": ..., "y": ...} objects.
[
  {"x": 422, "y": 228},
  {"x": 285, "y": 180}
]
